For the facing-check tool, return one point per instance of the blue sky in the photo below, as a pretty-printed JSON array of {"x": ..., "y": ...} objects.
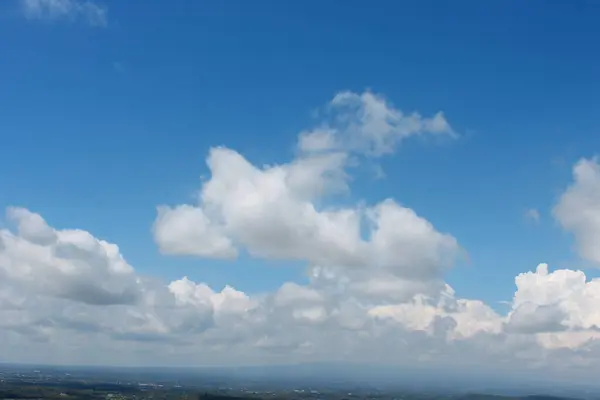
[
  {"x": 101, "y": 124},
  {"x": 120, "y": 118}
]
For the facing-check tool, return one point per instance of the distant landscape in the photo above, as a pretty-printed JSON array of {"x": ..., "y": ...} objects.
[{"x": 50, "y": 382}]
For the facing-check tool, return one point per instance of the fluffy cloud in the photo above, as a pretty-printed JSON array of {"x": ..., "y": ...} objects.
[
  {"x": 86, "y": 10},
  {"x": 368, "y": 124},
  {"x": 187, "y": 230},
  {"x": 378, "y": 267},
  {"x": 281, "y": 211},
  {"x": 578, "y": 210},
  {"x": 70, "y": 264},
  {"x": 560, "y": 304},
  {"x": 68, "y": 279},
  {"x": 375, "y": 288},
  {"x": 559, "y": 307}
]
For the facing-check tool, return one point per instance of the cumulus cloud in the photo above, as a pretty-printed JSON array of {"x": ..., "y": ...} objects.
[
  {"x": 187, "y": 230},
  {"x": 371, "y": 266},
  {"x": 48, "y": 294},
  {"x": 86, "y": 10},
  {"x": 68, "y": 263},
  {"x": 375, "y": 289},
  {"x": 281, "y": 211},
  {"x": 367, "y": 123},
  {"x": 68, "y": 279},
  {"x": 578, "y": 209}
]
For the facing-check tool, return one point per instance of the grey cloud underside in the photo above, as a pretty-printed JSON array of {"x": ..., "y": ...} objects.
[{"x": 375, "y": 290}]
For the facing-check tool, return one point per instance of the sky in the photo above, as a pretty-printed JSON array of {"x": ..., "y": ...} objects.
[{"x": 257, "y": 182}]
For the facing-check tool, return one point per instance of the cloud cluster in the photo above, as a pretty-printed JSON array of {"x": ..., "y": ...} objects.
[
  {"x": 85, "y": 10},
  {"x": 375, "y": 288}
]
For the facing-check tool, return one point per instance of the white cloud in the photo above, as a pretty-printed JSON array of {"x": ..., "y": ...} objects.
[
  {"x": 578, "y": 209},
  {"x": 69, "y": 280},
  {"x": 87, "y": 10},
  {"x": 373, "y": 267},
  {"x": 187, "y": 230},
  {"x": 375, "y": 290},
  {"x": 67, "y": 263},
  {"x": 368, "y": 124},
  {"x": 278, "y": 212},
  {"x": 560, "y": 305},
  {"x": 65, "y": 290}
]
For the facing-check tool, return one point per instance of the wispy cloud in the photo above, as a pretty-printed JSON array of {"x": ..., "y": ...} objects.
[
  {"x": 532, "y": 214},
  {"x": 86, "y": 10}
]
